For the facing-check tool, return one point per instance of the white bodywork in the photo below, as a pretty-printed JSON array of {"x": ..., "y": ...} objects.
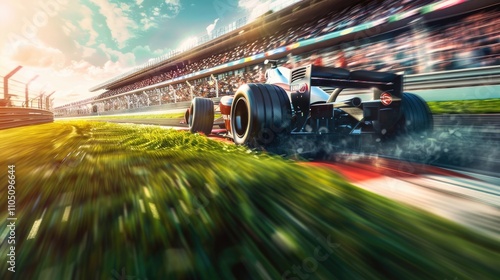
[{"x": 280, "y": 76}]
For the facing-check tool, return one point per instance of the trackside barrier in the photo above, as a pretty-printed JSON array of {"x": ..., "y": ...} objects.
[
  {"x": 15, "y": 117},
  {"x": 489, "y": 75},
  {"x": 463, "y": 84}
]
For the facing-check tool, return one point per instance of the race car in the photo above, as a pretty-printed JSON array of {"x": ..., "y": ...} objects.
[{"x": 296, "y": 102}]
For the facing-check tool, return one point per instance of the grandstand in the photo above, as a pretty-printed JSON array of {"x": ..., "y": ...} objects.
[{"x": 423, "y": 36}]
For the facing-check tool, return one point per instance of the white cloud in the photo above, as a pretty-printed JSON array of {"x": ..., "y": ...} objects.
[
  {"x": 173, "y": 2},
  {"x": 160, "y": 52},
  {"x": 68, "y": 27},
  {"x": 108, "y": 70},
  {"x": 256, "y": 8},
  {"x": 125, "y": 7},
  {"x": 85, "y": 51},
  {"x": 40, "y": 56},
  {"x": 167, "y": 10},
  {"x": 125, "y": 59},
  {"x": 76, "y": 92},
  {"x": 211, "y": 27},
  {"x": 118, "y": 23},
  {"x": 139, "y": 2},
  {"x": 66, "y": 72},
  {"x": 82, "y": 71},
  {"x": 249, "y": 4},
  {"x": 146, "y": 51},
  {"x": 80, "y": 66},
  {"x": 156, "y": 11},
  {"x": 188, "y": 43},
  {"x": 73, "y": 82},
  {"x": 173, "y": 8},
  {"x": 88, "y": 52},
  {"x": 86, "y": 25},
  {"x": 147, "y": 23}
]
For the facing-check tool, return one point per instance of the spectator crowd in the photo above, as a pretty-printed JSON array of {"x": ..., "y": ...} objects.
[{"x": 469, "y": 41}]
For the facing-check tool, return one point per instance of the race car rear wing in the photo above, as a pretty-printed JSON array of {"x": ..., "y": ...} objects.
[
  {"x": 342, "y": 78},
  {"x": 305, "y": 77}
]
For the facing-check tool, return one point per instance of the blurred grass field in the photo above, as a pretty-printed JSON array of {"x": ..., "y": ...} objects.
[
  {"x": 483, "y": 106},
  {"x": 146, "y": 116},
  {"x": 163, "y": 204}
]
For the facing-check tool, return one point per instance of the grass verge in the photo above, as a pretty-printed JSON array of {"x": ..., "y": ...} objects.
[
  {"x": 483, "y": 106},
  {"x": 150, "y": 116},
  {"x": 163, "y": 204}
]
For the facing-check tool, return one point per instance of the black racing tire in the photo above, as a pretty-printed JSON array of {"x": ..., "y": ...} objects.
[
  {"x": 186, "y": 116},
  {"x": 415, "y": 115},
  {"x": 260, "y": 115},
  {"x": 200, "y": 115}
]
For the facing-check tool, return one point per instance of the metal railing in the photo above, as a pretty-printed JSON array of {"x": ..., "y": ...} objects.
[
  {"x": 21, "y": 93},
  {"x": 489, "y": 75}
]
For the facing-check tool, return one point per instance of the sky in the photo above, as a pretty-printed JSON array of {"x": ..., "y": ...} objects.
[{"x": 74, "y": 45}]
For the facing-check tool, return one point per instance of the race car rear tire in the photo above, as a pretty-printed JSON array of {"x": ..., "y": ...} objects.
[
  {"x": 260, "y": 115},
  {"x": 416, "y": 115},
  {"x": 200, "y": 115}
]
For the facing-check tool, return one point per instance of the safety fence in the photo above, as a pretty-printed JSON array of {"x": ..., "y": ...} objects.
[
  {"x": 14, "y": 117},
  {"x": 452, "y": 85},
  {"x": 26, "y": 93},
  {"x": 489, "y": 75}
]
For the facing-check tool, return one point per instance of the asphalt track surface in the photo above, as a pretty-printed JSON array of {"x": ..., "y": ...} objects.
[{"x": 451, "y": 172}]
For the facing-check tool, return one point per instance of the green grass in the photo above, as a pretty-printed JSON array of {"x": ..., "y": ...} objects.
[
  {"x": 484, "y": 106},
  {"x": 150, "y": 116},
  {"x": 165, "y": 204}
]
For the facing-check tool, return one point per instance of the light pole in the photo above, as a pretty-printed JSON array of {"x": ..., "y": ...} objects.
[
  {"x": 26, "y": 90},
  {"x": 6, "y": 81},
  {"x": 40, "y": 101},
  {"x": 6, "y": 95},
  {"x": 47, "y": 101},
  {"x": 216, "y": 85},
  {"x": 190, "y": 89},
  {"x": 172, "y": 90}
]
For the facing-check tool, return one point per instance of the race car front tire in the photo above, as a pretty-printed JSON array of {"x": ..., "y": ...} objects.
[
  {"x": 200, "y": 115},
  {"x": 260, "y": 115}
]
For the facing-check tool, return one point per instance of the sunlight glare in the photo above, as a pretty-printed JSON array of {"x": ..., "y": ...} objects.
[{"x": 6, "y": 13}]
